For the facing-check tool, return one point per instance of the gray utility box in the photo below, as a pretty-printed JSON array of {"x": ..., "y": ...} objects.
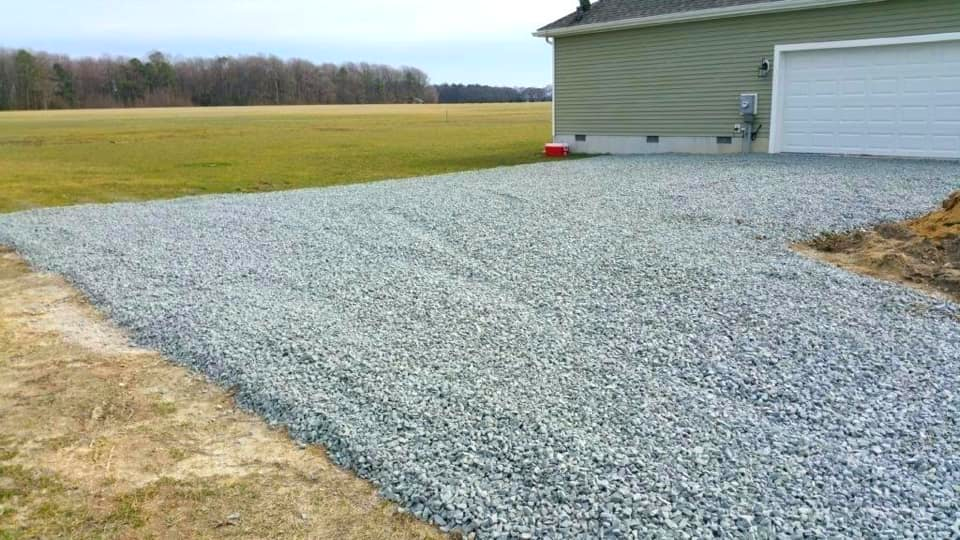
[{"x": 748, "y": 107}]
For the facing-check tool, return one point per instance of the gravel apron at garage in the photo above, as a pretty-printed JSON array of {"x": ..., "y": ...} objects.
[{"x": 610, "y": 347}]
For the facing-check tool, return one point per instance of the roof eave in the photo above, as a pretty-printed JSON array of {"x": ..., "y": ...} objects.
[{"x": 698, "y": 15}]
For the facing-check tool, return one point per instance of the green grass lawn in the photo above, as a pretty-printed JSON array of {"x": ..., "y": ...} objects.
[{"x": 50, "y": 158}]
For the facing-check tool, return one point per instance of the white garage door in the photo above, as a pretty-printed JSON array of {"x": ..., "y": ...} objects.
[{"x": 886, "y": 100}]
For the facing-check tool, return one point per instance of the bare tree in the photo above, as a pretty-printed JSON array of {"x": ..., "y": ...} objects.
[{"x": 36, "y": 80}]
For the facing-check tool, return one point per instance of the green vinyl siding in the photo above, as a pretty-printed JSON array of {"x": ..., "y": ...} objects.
[{"x": 684, "y": 79}]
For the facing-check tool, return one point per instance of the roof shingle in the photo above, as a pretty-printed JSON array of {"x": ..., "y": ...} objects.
[{"x": 617, "y": 10}]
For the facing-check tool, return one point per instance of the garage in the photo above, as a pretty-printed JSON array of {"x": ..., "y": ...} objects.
[{"x": 882, "y": 97}]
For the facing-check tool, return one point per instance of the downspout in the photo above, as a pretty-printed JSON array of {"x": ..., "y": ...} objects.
[{"x": 553, "y": 100}]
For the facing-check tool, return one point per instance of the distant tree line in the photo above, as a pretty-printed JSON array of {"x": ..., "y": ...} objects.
[
  {"x": 38, "y": 80},
  {"x": 478, "y": 93}
]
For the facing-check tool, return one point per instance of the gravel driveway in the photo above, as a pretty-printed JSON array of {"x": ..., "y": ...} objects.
[{"x": 612, "y": 347}]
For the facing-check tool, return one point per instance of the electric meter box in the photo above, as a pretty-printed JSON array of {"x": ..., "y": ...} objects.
[{"x": 748, "y": 104}]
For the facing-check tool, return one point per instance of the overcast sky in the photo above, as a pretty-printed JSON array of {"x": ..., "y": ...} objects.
[{"x": 452, "y": 40}]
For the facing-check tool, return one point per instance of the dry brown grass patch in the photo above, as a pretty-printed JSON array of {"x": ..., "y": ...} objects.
[{"x": 101, "y": 439}]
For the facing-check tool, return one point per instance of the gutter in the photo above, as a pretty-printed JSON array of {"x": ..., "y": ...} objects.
[{"x": 698, "y": 15}]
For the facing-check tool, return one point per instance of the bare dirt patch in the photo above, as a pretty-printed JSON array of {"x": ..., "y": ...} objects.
[
  {"x": 923, "y": 253},
  {"x": 101, "y": 439}
]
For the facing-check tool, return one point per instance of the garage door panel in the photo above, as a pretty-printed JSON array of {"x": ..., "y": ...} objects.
[
  {"x": 883, "y": 114},
  {"x": 947, "y": 113},
  {"x": 854, "y": 113},
  {"x": 944, "y": 99},
  {"x": 853, "y": 61},
  {"x": 796, "y": 113},
  {"x": 917, "y": 85},
  {"x": 907, "y": 132},
  {"x": 880, "y": 141},
  {"x": 946, "y": 129},
  {"x": 949, "y": 82},
  {"x": 949, "y": 56},
  {"x": 915, "y": 115},
  {"x": 917, "y": 56},
  {"x": 887, "y": 100},
  {"x": 884, "y": 86},
  {"x": 856, "y": 88},
  {"x": 849, "y": 141},
  {"x": 914, "y": 142},
  {"x": 852, "y": 129},
  {"x": 825, "y": 88},
  {"x": 822, "y": 114},
  {"x": 945, "y": 143}
]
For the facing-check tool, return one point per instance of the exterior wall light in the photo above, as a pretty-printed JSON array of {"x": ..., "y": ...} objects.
[{"x": 765, "y": 68}]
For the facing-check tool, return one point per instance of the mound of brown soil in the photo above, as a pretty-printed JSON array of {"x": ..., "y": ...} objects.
[
  {"x": 923, "y": 252},
  {"x": 942, "y": 224}
]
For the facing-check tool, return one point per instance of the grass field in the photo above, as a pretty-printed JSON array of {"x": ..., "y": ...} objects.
[{"x": 50, "y": 158}]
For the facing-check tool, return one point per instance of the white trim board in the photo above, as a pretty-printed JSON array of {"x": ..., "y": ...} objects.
[
  {"x": 698, "y": 15},
  {"x": 780, "y": 51},
  {"x": 638, "y": 144},
  {"x": 553, "y": 98}
]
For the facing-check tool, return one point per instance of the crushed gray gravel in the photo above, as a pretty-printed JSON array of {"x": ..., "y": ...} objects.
[{"x": 613, "y": 347}]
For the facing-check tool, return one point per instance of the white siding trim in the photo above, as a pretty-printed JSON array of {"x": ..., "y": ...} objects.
[
  {"x": 553, "y": 101},
  {"x": 637, "y": 144},
  {"x": 780, "y": 57},
  {"x": 699, "y": 15}
]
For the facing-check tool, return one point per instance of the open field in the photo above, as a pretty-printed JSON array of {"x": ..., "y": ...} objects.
[{"x": 53, "y": 158}]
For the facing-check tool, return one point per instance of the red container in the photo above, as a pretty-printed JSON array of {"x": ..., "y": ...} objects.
[{"x": 556, "y": 150}]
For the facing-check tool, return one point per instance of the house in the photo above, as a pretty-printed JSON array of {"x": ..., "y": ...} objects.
[{"x": 871, "y": 77}]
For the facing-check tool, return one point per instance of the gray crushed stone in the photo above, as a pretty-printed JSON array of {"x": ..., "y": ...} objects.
[{"x": 612, "y": 347}]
